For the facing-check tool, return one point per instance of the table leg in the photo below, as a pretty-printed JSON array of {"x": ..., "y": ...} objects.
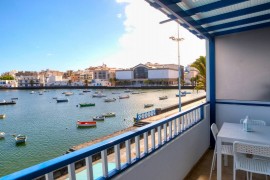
[{"x": 219, "y": 159}]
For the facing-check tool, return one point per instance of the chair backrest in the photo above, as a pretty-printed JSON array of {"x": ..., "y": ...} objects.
[
  {"x": 255, "y": 122},
  {"x": 249, "y": 148},
  {"x": 214, "y": 130}
]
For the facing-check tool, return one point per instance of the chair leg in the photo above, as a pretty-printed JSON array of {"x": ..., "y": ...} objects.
[{"x": 213, "y": 163}]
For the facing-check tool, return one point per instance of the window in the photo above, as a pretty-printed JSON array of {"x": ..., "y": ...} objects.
[{"x": 140, "y": 73}]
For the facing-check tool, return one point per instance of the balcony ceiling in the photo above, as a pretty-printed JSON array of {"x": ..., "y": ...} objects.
[{"x": 210, "y": 18}]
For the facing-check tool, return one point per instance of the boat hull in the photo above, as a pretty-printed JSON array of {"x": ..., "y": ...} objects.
[
  {"x": 86, "y": 123},
  {"x": 87, "y": 105}
]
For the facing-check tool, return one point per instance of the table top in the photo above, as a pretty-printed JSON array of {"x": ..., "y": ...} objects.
[{"x": 231, "y": 132}]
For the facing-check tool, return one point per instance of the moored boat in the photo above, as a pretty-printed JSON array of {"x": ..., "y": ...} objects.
[
  {"x": 109, "y": 100},
  {"x": 109, "y": 114},
  {"x": 20, "y": 139},
  {"x": 163, "y": 97},
  {"x": 127, "y": 90},
  {"x": 98, "y": 118},
  {"x": 86, "y": 123},
  {"x": 2, "y": 116},
  {"x": 69, "y": 93},
  {"x": 59, "y": 100},
  {"x": 124, "y": 97},
  {"x": 7, "y": 102},
  {"x": 115, "y": 92},
  {"x": 86, "y": 91},
  {"x": 32, "y": 92},
  {"x": 81, "y": 93},
  {"x": 135, "y": 93},
  {"x": 14, "y": 98},
  {"x": 86, "y": 104},
  {"x": 148, "y": 105},
  {"x": 99, "y": 95},
  {"x": 2, "y": 135},
  {"x": 182, "y": 95}
]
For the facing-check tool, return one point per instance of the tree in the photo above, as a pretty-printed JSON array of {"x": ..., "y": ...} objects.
[
  {"x": 6, "y": 77},
  {"x": 31, "y": 82},
  {"x": 69, "y": 82},
  {"x": 113, "y": 81},
  {"x": 200, "y": 65}
]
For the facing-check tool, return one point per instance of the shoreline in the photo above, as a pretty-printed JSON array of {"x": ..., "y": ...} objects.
[{"x": 97, "y": 87}]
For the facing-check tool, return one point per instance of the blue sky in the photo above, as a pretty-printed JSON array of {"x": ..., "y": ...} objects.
[
  {"x": 75, "y": 34},
  {"x": 55, "y": 34}
]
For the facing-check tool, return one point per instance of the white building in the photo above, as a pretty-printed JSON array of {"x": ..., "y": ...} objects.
[
  {"x": 31, "y": 81},
  {"x": 8, "y": 83},
  {"x": 144, "y": 74},
  {"x": 52, "y": 80},
  {"x": 100, "y": 82},
  {"x": 190, "y": 72}
]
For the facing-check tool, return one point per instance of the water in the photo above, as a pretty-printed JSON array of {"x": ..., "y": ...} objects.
[{"x": 51, "y": 127}]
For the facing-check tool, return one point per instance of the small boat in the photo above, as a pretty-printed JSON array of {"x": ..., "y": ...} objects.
[
  {"x": 2, "y": 116},
  {"x": 81, "y": 93},
  {"x": 54, "y": 97},
  {"x": 135, "y": 93},
  {"x": 128, "y": 90},
  {"x": 109, "y": 114},
  {"x": 186, "y": 92},
  {"x": 32, "y": 92},
  {"x": 86, "y": 104},
  {"x": 115, "y": 92},
  {"x": 86, "y": 123},
  {"x": 20, "y": 139},
  {"x": 109, "y": 100},
  {"x": 62, "y": 100},
  {"x": 182, "y": 95},
  {"x": 14, "y": 98},
  {"x": 124, "y": 97},
  {"x": 2, "y": 135},
  {"x": 86, "y": 91},
  {"x": 98, "y": 118},
  {"x": 99, "y": 95},
  {"x": 40, "y": 93},
  {"x": 69, "y": 93},
  {"x": 148, "y": 105},
  {"x": 163, "y": 97},
  {"x": 7, "y": 102}
]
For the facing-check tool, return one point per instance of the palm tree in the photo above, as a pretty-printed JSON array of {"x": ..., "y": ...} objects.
[
  {"x": 200, "y": 65},
  {"x": 31, "y": 82},
  {"x": 86, "y": 82}
]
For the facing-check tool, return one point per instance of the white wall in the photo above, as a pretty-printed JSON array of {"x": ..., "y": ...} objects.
[
  {"x": 233, "y": 113},
  {"x": 125, "y": 75},
  {"x": 243, "y": 66},
  {"x": 174, "y": 160},
  {"x": 162, "y": 74}
]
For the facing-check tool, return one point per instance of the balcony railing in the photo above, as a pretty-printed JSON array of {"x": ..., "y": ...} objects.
[{"x": 156, "y": 134}]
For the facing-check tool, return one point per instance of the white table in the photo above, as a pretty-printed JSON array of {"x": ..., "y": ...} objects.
[{"x": 231, "y": 132}]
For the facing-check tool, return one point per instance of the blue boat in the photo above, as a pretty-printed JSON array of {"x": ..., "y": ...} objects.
[{"x": 62, "y": 100}]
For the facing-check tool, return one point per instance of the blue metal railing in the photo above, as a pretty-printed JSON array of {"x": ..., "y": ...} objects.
[
  {"x": 164, "y": 131},
  {"x": 145, "y": 115}
]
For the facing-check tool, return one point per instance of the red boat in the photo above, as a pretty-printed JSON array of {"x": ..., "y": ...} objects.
[{"x": 86, "y": 123}]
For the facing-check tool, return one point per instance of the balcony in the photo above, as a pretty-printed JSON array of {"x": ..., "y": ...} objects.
[{"x": 238, "y": 85}]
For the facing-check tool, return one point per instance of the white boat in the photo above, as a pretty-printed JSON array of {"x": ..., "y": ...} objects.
[
  {"x": 109, "y": 100},
  {"x": 98, "y": 118},
  {"x": 2, "y": 116},
  {"x": 109, "y": 114},
  {"x": 99, "y": 95},
  {"x": 127, "y": 90},
  {"x": 32, "y": 92},
  {"x": 40, "y": 93},
  {"x": 20, "y": 139},
  {"x": 2, "y": 135},
  {"x": 69, "y": 93},
  {"x": 115, "y": 92},
  {"x": 163, "y": 97},
  {"x": 124, "y": 97}
]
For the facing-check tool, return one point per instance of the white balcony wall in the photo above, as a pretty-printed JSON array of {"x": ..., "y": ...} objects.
[
  {"x": 242, "y": 66},
  {"x": 124, "y": 75},
  {"x": 174, "y": 160}
]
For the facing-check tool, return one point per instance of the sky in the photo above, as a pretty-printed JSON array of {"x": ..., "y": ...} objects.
[{"x": 71, "y": 35}]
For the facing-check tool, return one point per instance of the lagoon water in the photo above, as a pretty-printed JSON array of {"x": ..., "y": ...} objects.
[{"x": 51, "y": 127}]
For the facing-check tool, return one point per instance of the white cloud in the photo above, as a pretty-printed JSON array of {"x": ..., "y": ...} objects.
[
  {"x": 119, "y": 15},
  {"x": 145, "y": 40}
]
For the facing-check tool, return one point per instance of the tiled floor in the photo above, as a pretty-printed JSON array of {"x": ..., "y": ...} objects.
[{"x": 201, "y": 171}]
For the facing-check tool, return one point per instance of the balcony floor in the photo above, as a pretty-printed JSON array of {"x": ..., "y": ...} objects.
[{"x": 201, "y": 171}]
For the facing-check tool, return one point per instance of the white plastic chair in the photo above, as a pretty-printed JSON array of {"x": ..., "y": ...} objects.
[
  {"x": 225, "y": 150},
  {"x": 255, "y": 122},
  {"x": 253, "y": 158}
]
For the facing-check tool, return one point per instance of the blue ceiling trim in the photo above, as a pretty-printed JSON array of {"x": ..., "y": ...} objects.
[
  {"x": 258, "y": 26},
  {"x": 176, "y": 9},
  {"x": 233, "y": 14},
  {"x": 240, "y": 22},
  {"x": 171, "y": 2},
  {"x": 213, "y": 6}
]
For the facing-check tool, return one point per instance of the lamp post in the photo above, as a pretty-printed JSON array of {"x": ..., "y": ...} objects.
[{"x": 178, "y": 39}]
